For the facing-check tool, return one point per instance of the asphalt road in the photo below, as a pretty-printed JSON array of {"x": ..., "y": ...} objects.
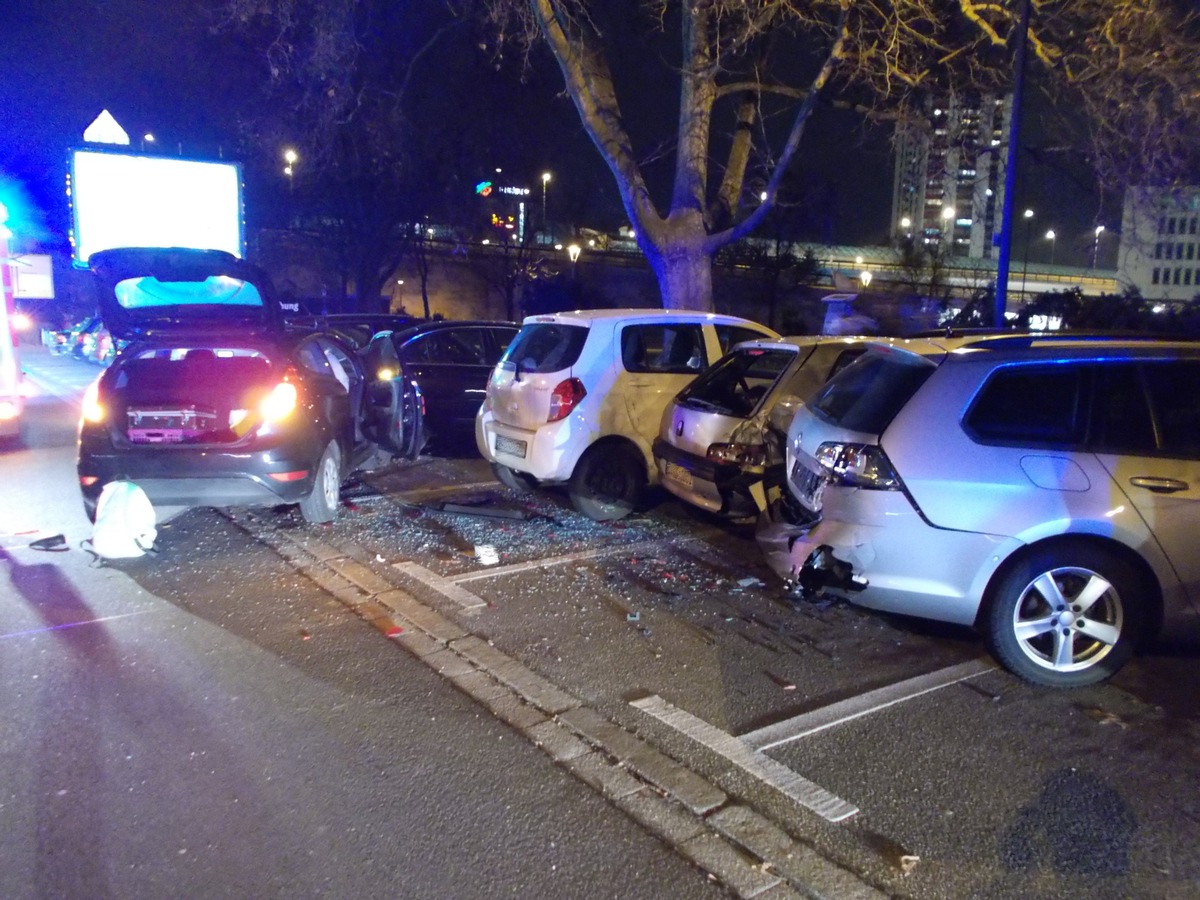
[{"x": 238, "y": 733}]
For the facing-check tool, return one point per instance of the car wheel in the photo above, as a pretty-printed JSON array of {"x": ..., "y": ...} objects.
[
  {"x": 321, "y": 505},
  {"x": 89, "y": 509},
  {"x": 1066, "y": 616},
  {"x": 511, "y": 478},
  {"x": 608, "y": 482}
]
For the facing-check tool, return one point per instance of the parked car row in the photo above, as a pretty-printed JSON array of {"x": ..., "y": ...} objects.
[{"x": 1040, "y": 488}]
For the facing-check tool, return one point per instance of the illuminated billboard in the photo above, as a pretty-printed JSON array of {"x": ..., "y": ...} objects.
[{"x": 122, "y": 199}]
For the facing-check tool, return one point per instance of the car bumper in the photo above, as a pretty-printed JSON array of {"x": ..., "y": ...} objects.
[
  {"x": 721, "y": 488},
  {"x": 548, "y": 453},
  {"x": 874, "y": 548},
  {"x": 177, "y": 476}
]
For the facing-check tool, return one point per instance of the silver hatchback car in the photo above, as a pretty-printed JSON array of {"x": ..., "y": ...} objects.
[{"x": 1044, "y": 490}]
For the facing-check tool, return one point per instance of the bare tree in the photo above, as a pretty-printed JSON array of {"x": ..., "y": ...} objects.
[{"x": 750, "y": 74}]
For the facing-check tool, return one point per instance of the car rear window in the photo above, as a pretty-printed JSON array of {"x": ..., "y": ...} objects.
[
  {"x": 867, "y": 395},
  {"x": 215, "y": 290},
  {"x": 736, "y": 383},
  {"x": 545, "y": 347}
]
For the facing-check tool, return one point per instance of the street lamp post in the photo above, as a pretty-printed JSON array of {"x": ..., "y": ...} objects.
[
  {"x": 906, "y": 227},
  {"x": 948, "y": 215},
  {"x": 1025, "y": 265},
  {"x": 1050, "y": 236},
  {"x": 545, "y": 181},
  {"x": 1096, "y": 244},
  {"x": 573, "y": 252},
  {"x": 290, "y": 156}
]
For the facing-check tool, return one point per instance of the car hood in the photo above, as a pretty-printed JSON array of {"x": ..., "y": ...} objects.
[{"x": 147, "y": 292}]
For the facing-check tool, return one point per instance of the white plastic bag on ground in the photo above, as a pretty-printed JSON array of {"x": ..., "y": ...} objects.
[{"x": 125, "y": 522}]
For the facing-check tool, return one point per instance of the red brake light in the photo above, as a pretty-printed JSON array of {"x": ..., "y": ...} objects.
[{"x": 565, "y": 397}]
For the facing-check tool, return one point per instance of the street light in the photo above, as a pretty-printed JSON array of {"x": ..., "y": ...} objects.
[
  {"x": 573, "y": 251},
  {"x": 906, "y": 227},
  {"x": 290, "y": 156},
  {"x": 865, "y": 277},
  {"x": 1050, "y": 236},
  {"x": 1096, "y": 244},
  {"x": 947, "y": 227},
  {"x": 147, "y": 138},
  {"x": 1025, "y": 266},
  {"x": 545, "y": 181}
]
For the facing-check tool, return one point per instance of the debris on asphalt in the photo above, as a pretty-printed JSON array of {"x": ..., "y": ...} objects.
[
  {"x": 486, "y": 554},
  {"x": 750, "y": 582},
  {"x": 908, "y": 862},
  {"x": 54, "y": 544},
  {"x": 633, "y": 617},
  {"x": 782, "y": 682},
  {"x": 491, "y": 512}
]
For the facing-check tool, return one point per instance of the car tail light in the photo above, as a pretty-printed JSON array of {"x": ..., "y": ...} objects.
[
  {"x": 565, "y": 397},
  {"x": 93, "y": 409},
  {"x": 280, "y": 403},
  {"x": 859, "y": 465},
  {"x": 738, "y": 454}
]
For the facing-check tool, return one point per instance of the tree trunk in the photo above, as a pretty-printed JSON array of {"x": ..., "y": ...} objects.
[{"x": 684, "y": 273}]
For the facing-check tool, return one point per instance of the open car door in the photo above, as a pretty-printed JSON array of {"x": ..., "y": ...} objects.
[{"x": 394, "y": 417}]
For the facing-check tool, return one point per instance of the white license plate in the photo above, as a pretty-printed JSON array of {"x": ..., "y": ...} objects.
[
  {"x": 679, "y": 475},
  {"x": 510, "y": 446}
]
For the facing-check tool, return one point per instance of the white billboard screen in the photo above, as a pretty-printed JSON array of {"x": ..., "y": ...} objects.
[{"x": 134, "y": 200}]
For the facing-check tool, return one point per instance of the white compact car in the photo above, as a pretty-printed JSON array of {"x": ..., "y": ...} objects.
[{"x": 578, "y": 397}]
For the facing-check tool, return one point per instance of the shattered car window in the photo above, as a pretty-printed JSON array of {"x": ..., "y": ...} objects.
[{"x": 736, "y": 384}]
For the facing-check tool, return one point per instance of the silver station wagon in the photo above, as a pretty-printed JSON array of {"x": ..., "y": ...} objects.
[{"x": 1044, "y": 490}]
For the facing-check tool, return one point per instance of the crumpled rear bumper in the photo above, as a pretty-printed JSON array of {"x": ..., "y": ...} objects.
[{"x": 801, "y": 554}]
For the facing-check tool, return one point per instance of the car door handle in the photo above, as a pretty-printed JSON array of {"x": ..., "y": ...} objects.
[{"x": 1159, "y": 485}]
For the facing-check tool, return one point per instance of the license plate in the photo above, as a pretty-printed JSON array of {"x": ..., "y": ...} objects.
[
  {"x": 808, "y": 485},
  {"x": 510, "y": 446},
  {"x": 679, "y": 475}
]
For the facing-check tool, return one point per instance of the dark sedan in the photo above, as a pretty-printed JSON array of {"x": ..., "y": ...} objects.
[{"x": 436, "y": 373}]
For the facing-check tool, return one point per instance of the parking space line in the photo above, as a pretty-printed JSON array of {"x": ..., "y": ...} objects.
[
  {"x": 550, "y": 561},
  {"x": 799, "y": 789},
  {"x": 60, "y": 627},
  {"x": 800, "y": 726},
  {"x": 444, "y": 586}
]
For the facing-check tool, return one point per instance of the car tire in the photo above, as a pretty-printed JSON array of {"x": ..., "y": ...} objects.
[
  {"x": 1067, "y": 615},
  {"x": 608, "y": 482},
  {"x": 89, "y": 509},
  {"x": 511, "y": 478},
  {"x": 321, "y": 505}
]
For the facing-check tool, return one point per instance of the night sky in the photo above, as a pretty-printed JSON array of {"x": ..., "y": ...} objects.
[{"x": 154, "y": 66}]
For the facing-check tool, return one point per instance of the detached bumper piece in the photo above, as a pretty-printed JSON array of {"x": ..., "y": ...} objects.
[{"x": 821, "y": 571}]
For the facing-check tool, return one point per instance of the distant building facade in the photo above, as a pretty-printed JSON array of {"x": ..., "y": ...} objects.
[
  {"x": 949, "y": 178},
  {"x": 1159, "y": 252}
]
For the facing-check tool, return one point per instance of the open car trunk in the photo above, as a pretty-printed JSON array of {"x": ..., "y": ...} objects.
[{"x": 190, "y": 395}]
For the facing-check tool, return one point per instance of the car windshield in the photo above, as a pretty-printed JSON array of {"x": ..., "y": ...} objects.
[
  {"x": 215, "y": 290},
  {"x": 867, "y": 395},
  {"x": 736, "y": 383},
  {"x": 545, "y": 347}
]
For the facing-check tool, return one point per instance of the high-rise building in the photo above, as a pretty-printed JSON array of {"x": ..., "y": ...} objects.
[
  {"x": 949, "y": 178},
  {"x": 1160, "y": 242}
]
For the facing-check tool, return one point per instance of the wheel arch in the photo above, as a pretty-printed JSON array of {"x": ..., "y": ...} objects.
[
  {"x": 1152, "y": 595},
  {"x": 625, "y": 443}
]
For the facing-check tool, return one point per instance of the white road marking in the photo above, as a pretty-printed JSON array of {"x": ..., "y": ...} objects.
[
  {"x": 801, "y": 790},
  {"x": 551, "y": 561},
  {"x": 793, "y": 729},
  {"x": 444, "y": 586},
  {"x": 46, "y": 628}
]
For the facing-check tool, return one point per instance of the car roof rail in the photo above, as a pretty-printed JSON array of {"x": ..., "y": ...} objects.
[{"x": 1002, "y": 341}]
